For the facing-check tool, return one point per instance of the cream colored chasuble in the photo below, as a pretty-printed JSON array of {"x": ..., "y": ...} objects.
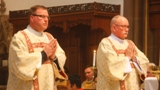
[
  {"x": 111, "y": 66},
  {"x": 25, "y": 69}
]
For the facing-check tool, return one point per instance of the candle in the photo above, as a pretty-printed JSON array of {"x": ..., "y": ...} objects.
[{"x": 94, "y": 58}]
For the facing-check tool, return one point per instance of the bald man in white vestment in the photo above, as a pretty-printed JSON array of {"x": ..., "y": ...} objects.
[{"x": 120, "y": 64}]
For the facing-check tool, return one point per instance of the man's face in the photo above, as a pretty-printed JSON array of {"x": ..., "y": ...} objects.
[
  {"x": 121, "y": 28},
  {"x": 39, "y": 20},
  {"x": 88, "y": 73}
]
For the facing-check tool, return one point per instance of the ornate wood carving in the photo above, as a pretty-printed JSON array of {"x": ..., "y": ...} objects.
[{"x": 70, "y": 15}]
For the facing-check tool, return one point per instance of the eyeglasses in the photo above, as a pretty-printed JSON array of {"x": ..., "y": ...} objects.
[
  {"x": 41, "y": 16},
  {"x": 123, "y": 26}
]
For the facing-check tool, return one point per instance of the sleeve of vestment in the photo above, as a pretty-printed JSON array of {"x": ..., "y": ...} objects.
[
  {"x": 60, "y": 54},
  {"x": 142, "y": 59},
  {"x": 58, "y": 65},
  {"x": 22, "y": 63}
]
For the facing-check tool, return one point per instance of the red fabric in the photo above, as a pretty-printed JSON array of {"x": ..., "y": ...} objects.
[{"x": 62, "y": 74}]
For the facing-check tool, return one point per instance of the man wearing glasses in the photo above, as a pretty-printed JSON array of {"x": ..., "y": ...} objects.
[
  {"x": 35, "y": 58},
  {"x": 120, "y": 64}
]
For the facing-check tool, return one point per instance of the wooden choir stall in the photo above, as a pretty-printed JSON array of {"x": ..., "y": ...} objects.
[
  {"x": 78, "y": 28},
  {"x": 154, "y": 27}
]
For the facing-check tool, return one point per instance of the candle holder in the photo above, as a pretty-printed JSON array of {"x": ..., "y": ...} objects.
[
  {"x": 95, "y": 70},
  {"x": 94, "y": 67}
]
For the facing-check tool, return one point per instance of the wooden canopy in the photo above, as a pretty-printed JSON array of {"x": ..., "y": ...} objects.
[{"x": 67, "y": 16}]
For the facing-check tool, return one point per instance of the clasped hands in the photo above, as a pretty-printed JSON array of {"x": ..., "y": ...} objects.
[
  {"x": 131, "y": 53},
  {"x": 50, "y": 49}
]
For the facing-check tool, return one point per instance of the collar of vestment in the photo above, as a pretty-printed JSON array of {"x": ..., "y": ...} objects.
[
  {"x": 112, "y": 36},
  {"x": 31, "y": 30}
]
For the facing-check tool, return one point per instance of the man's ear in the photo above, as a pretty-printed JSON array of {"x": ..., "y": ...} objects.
[
  {"x": 113, "y": 28},
  {"x": 31, "y": 17}
]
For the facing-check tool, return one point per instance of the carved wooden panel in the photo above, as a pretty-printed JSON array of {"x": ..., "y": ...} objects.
[
  {"x": 78, "y": 44},
  {"x": 154, "y": 24},
  {"x": 154, "y": 14},
  {"x": 3, "y": 75}
]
